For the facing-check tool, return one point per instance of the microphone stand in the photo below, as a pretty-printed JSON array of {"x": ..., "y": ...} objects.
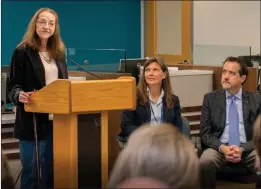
[
  {"x": 38, "y": 168},
  {"x": 82, "y": 68},
  {"x": 90, "y": 49},
  {"x": 125, "y": 58}
]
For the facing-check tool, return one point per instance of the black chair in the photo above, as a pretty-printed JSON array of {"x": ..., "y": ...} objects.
[
  {"x": 235, "y": 172},
  {"x": 238, "y": 173},
  {"x": 122, "y": 141},
  {"x": 185, "y": 129}
]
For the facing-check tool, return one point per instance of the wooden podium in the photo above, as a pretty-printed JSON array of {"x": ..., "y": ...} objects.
[{"x": 66, "y": 99}]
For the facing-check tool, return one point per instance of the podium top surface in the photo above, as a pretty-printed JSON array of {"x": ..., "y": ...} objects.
[{"x": 65, "y": 97}]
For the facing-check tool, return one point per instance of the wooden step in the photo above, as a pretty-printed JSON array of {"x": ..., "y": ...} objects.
[
  {"x": 185, "y": 114},
  {"x": 194, "y": 133},
  {"x": 12, "y": 154},
  {"x": 7, "y": 119},
  {"x": 191, "y": 109},
  {"x": 193, "y": 117},
  {"x": 7, "y": 130},
  {"x": 9, "y": 125},
  {"x": 195, "y": 127},
  {"x": 7, "y": 135},
  {"x": 10, "y": 143}
]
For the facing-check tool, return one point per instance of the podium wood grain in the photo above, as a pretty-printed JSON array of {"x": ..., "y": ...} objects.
[
  {"x": 53, "y": 98},
  {"x": 102, "y": 95},
  {"x": 65, "y": 145}
]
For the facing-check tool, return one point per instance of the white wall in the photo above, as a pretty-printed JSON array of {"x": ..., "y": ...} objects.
[
  {"x": 229, "y": 23},
  {"x": 169, "y": 27}
]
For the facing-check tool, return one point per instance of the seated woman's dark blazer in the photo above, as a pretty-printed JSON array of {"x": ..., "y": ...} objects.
[
  {"x": 27, "y": 74},
  {"x": 132, "y": 119}
]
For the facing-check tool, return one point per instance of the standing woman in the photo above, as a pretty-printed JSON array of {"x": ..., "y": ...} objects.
[
  {"x": 155, "y": 101},
  {"x": 37, "y": 61}
]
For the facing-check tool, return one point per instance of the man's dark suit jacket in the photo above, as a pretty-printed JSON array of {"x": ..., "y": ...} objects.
[
  {"x": 131, "y": 120},
  {"x": 27, "y": 74},
  {"x": 213, "y": 117}
]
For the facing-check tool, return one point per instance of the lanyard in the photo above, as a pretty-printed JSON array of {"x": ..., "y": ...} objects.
[{"x": 161, "y": 116}]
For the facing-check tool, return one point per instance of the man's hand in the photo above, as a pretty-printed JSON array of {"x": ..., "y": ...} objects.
[
  {"x": 227, "y": 152},
  {"x": 224, "y": 149},
  {"x": 232, "y": 153},
  {"x": 237, "y": 153}
]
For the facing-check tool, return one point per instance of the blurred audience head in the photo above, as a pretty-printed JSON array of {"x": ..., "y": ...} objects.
[
  {"x": 142, "y": 182},
  {"x": 160, "y": 152},
  {"x": 257, "y": 141}
]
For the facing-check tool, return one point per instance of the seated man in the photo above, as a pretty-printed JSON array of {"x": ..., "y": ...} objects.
[{"x": 226, "y": 126}]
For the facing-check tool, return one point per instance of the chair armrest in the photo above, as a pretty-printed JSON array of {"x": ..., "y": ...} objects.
[
  {"x": 122, "y": 141},
  {"x": 198, "y": 146},
  {"x": 121, "y": 138},
  {"x": 185, "y": 127}
]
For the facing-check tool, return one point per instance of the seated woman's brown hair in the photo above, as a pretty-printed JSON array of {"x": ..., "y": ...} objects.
[{"x": 161, "y": 152}]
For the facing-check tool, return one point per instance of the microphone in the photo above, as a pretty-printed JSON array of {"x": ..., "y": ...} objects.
[
  {"x": 85, "y": 62},
  {"x": 78, "y": 65}
]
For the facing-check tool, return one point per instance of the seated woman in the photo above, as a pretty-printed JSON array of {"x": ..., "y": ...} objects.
[
  {"x": 161, "y": 153},
  {"x": 155, "y": 101}
]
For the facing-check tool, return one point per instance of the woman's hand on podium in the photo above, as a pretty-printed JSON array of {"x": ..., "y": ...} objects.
[{"x": 24, "y": 96}]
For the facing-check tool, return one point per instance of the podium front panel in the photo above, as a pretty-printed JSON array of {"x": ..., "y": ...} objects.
[
  {"x": 89, "y": 147},
  {"x": 89, "y": 151}
]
